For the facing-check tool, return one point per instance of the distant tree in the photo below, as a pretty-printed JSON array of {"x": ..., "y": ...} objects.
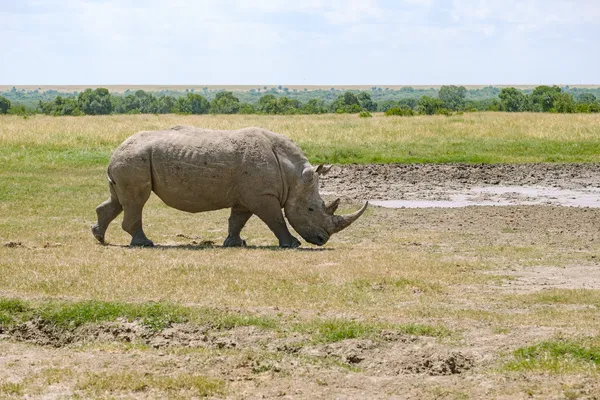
[
  {"x": 60, "y": 106},
  {"x": 563, "y": 103},
  {"x": 513, "y": 100},
  {"x": 166, "y": 105},
  {"x": 247, "y": 108},
  {"x": 543, "y": 98},
  {"x": 346, "y": 103},
  {"x": 453, "y": 97},
  {"x": 192, "y": 103},
  {"x": 198, "y": 104},
  {"x": 288, "y": 106},
  {"x": 411, "y": 103},
  {"x": 314, "y": 106},
  {"x": 267, "y": 104},
  {"x": 95, "y": 102},
  {"x": 225, "y": 103},
  {"x": 430, "y": 105},
  {"x": 145, "y": 101},
  {"x": 366, "y": 102},
  {"x": 4, "y": 105},
  {"x": 586, "y": 98}
]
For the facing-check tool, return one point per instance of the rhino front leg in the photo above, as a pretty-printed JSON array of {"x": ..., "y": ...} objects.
[
  {"x": 237, "y": 220},
  {"x": 132, "y": 224},
  {"x": 270, "y": 213}
]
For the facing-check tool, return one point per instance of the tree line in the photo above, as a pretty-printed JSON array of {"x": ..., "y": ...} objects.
[{"x": 448, "y": 100}]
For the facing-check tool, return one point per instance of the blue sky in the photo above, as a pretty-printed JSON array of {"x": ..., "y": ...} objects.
[{"x": 300, "y": 42}]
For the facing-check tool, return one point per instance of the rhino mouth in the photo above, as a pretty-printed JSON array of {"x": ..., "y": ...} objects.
[{"x": 320, "y": 239}]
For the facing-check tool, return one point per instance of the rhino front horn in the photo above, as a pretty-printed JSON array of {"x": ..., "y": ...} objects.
[{"x": 344, "y": 221}]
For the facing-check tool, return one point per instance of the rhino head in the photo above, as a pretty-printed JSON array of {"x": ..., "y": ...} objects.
[{"x": 308, "y": 214}]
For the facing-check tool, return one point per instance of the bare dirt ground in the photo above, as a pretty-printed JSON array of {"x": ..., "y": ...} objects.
[
  {"x": 439, "y": 181},
  {"x": 531, "y": 251}
]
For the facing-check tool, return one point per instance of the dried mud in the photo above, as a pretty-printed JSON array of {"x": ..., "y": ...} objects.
[
  {"x": 389, "y": 353},
  {"x": 439, "y": 181}
]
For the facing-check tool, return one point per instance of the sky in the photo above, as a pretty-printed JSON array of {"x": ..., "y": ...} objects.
[{"x": 299, "y": 42}]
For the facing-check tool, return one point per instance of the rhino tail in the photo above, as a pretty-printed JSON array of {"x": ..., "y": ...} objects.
[{"x": 112, "y": 186}]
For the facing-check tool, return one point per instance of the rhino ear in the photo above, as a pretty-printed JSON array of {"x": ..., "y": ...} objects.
[
  {"x": 308, "y": 174},
  {"x": 323, "y": 169}
]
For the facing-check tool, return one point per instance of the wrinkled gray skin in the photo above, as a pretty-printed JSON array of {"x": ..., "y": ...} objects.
[{"x": 252, "y": 171}]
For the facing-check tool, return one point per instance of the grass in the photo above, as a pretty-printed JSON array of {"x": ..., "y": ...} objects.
[
  {"x": 338, "y": 329},
  {"x": 158, "y": 316},
  {"x": 558, "y": 356},
  {"x": 11, "y": 388},
  {"x": 562, "y": 296},
  {"x": 367, "y": 279},
  {"x": 55, "y": 142},
  {"x": 115, "y": 382}
]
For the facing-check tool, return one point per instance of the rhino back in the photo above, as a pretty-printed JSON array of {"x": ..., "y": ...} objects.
[{"x": 201, "y": 170}]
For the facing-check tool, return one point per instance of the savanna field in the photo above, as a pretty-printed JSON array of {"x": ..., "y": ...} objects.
[{"x": 427, "y": 303}]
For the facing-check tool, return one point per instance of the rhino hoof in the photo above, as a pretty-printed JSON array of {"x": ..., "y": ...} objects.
[
  {"x": 141, "y": 243},
  {"x": 234, "y": 242},
  {"x": 295, "y": 243},
  {"x": 96, "y": 232}
]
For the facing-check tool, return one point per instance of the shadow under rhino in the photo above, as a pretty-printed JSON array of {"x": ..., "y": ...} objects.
[{"x": 196, "y": 247}]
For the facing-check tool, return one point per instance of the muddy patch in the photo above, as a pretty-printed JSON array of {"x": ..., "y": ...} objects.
[
  {"x": 504, "y": 196},
  {"x": 40, "y": 332},
  {"x": 389, "y": 353},
  {"x": 460, "y": 185},
  {"x": 408, "y": 355}
]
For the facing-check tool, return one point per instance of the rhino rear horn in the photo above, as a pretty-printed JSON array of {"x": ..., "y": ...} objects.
[
  {"x": 332, "y": 207},
  {"x": 343, "y": 221}
]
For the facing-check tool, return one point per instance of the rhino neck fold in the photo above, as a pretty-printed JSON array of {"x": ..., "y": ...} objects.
[{"x": 283, "y": 193}]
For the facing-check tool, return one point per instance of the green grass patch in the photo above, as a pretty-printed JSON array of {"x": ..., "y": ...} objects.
[
  {"x": 230, "y": 321},
  {"x": 558, "y": 356},
  {"x": 450, "y": 150},
  {"x": 155, "y": 316},
  {"x": 12, "y": 389},
  {"x": 335, "y": 330},
  {"x": 112, "y": 382},
  {"x": 424, "y": 330}
]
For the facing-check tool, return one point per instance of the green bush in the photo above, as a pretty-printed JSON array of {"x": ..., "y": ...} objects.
[
  {"x": 4, "y": 105},
  {"x": 402, "y": 112},
  {"x": 364, "y": 114},
  {"x": 443, "y": 111}
]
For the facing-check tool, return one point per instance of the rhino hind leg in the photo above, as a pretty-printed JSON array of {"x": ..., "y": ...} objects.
[
  {"x": 237, "y": 220},
  {"x": 269, "y": 211},
  {"x": 106, "y": 212}
]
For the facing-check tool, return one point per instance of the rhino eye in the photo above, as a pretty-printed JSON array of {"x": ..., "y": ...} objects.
[{"x": 310, "y": 209}]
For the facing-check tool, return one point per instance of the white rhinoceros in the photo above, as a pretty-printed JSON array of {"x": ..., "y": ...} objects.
[{"x": 251, "y": 171}]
